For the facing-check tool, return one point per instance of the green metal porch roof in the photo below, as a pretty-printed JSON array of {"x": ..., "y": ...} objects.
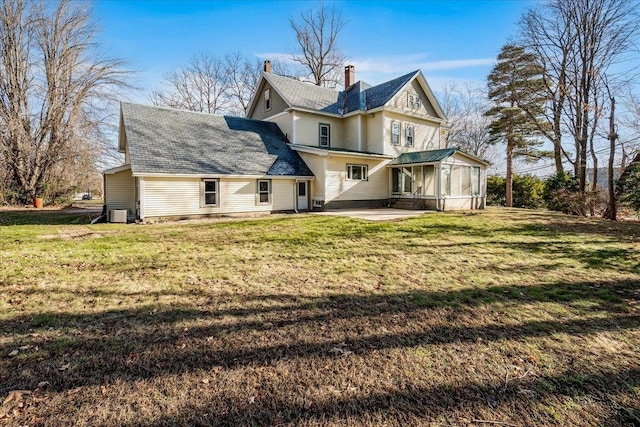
[{"x": 431, "y": 156}]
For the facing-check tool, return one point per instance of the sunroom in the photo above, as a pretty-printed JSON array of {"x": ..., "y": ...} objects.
[{"x": 446, "y": 179}]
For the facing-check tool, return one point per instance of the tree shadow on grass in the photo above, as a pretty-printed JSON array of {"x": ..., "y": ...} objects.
[
  {"x": 414, "y": 405},
  {"x": 146, "y": 344},
  {"x": 105, "y": 342}
]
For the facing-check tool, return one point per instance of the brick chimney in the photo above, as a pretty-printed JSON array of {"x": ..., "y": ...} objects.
[
  {"x": 267, "y": 66},
  {"x": 349, "y": 75}
]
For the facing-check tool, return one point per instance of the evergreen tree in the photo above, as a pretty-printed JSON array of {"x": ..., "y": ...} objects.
[{"x": 515, "y": 89}]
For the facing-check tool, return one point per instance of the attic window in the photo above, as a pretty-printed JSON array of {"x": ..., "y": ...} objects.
[
  {"x": 413, "y": 101},
  {"x": 267, "y": 100},
  {"x": 395, "y": 133},
  {"x": 409, "y": 133}
]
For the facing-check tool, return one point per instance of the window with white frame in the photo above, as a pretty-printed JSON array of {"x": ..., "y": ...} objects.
[
  {"x": 264, "y": 191},
  {"x": 395, "y": 133},
  {"x": 410, "y": 101},
  {"x": 210, "y": 192},
  {"x": 409, "y": 135},
  {"x": 324, "y": 135},
  {"x": 475, "y": 181},
  {"x": 445, "y": 179},
  {"x": 267, "y": 99},
  {"x": 416, "y": 101},
  {"x": 357, "y": 172}
]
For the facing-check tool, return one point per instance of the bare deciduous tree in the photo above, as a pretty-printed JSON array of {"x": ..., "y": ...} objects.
[
  {"x": 464, "y": 106},
  {"x": 577, "y": 43},
  {"x": 201, "y": 86},
  {"x": 53, "y": 85},
  {"x": 316, "y": 33}
]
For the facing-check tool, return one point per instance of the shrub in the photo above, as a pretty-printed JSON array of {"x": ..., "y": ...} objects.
[
  {"x": 561, "y": 193},
  {"x": 629, "y": 187},
  {"x": 527, "y": 191}
]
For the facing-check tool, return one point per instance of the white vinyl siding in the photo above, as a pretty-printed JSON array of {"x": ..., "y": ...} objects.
[
  {"x": 120, "y": 191},
  {"x": 182, "y": 196},
  {"x": 316, "y": 164},
  {"x": 338, "y": 187}
]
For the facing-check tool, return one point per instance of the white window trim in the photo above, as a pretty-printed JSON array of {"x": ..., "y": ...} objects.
[
  {"x": 406, "y": 133},
  {"x": 328, "y": 126},
  {"x": 259, "y": 193},
  {"x": 203, "y": 192},
  {"x": 267, "y": 99},
  {"x": 364, "y": 172},
  {"x": 448, "y": 180},
  {"x": 393, "y": 124}
]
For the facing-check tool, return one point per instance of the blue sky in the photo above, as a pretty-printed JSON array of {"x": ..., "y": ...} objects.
[{"x": 447, "y": 40}]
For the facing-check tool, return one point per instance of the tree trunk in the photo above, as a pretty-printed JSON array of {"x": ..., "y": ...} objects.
[
  {"x": 509, "y": 180},
  {"x": 612, "y": 151}
]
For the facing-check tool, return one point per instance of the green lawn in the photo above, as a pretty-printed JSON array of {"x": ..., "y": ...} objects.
[{"x": 503, "y": 317}]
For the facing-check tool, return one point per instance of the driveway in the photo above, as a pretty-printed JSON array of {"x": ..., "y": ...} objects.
[{"x": 377, "y": 214}]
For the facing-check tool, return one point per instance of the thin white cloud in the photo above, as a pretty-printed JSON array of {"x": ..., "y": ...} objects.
[{"x": 406, "y": 63}]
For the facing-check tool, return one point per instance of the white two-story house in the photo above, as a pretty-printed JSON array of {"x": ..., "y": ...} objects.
[
  {"x": 301, "y": 147},
  {"x": 372, "y": 146}
]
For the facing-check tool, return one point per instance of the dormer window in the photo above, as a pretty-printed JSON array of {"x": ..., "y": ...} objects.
[
  {"x": 267, "y": 100},
  {"x": 395, "y": 133},
  {"x": 409, "y": 134}
]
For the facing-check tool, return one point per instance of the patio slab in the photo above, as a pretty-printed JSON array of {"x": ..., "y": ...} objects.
[{"x": 374, "y": 214}]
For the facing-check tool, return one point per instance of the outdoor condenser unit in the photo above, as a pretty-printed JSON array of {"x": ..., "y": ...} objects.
[{"x": 118, "y": 215}]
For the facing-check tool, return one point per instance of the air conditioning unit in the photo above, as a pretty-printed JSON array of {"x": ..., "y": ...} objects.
[{"x": 118, "y": 215}]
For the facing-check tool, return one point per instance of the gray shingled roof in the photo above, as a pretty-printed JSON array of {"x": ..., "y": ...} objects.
[
  {"x": 163, "y": 140},
  {"x": 359, "y": 96},
  {"x": 430, "y": 156},
  {"x": 305, "y": 95}
]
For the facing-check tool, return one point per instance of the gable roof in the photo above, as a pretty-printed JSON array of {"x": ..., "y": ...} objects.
[
  {"x": 432, "y": 156},
  {"x": 360, "y": 96},
  {"x": 167, "y": 141}
]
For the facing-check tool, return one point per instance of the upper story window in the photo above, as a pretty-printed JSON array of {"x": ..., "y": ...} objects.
[
  {"x": 210, "y": 192},
  {"x": 324, "y": 135},
  {"x": 357, "y": 172},
  {"x": 409, "y": 135},
  {"x": 413, "y": 101},
  {"x": 395, "y": 133},
  {"x": 267, "y": 99}
]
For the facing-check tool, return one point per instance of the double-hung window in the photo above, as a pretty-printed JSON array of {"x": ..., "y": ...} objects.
[
  {"x": 264, "y": 191},
  {"x": 445, "y": 179},
  {"x": 409, "y": 134},
  {"x": 357, "y": 172},
  {"x": 210, "y": 192},
  {"x": 324, "y": 135},
  {"x": 395, "y": 133}
]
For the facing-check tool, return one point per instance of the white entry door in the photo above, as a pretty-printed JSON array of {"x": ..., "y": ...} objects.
[{"x": 303, "y": 199}]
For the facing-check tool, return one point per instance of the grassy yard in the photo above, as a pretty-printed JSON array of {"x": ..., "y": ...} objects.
[{"x": 498, "y": 318}]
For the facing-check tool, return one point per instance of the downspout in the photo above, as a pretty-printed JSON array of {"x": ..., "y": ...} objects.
[
  {"x": 141, "y": 196},
  {"x": 438, "y": 189},
  {"x": 359, "y": 132}
]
